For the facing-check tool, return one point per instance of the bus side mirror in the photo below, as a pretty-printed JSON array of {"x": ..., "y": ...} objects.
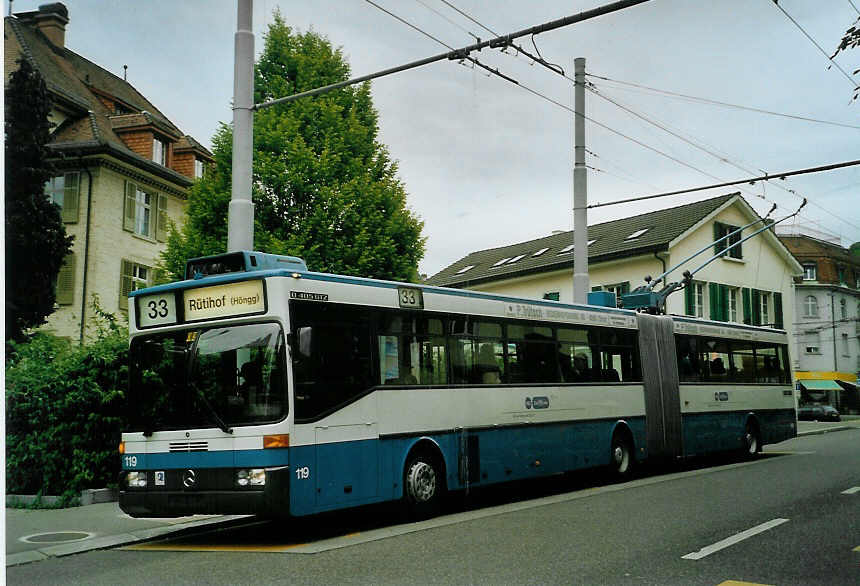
[{"x": 301, "y": 341}]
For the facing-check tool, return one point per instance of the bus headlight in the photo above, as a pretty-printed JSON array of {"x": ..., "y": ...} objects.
[
  {"x": 251, "y": 477},
  {"x": 136, "y": 479}
]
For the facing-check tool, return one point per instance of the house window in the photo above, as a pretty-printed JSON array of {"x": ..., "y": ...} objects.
[
  {"x": 733, "y": 305},
  {"x": 63, "y": 191},
  {"x": 723, "y": 230},
  {"x": 159, "y": 151},
  {"x": 145, "y": 212},
  {"x": 198, "y": 168},
  {"x": 810, "y": 306},
  {"x": 813, "y": 342},
  {"x": 134, "y": 276},
  {"x": 843, "y": 309},
  {"x": 764, "y": 298},
  {"x": 846, "y": 351},
  {"x": 840, "y": 272},
  {"x": 810, "y": 271}
]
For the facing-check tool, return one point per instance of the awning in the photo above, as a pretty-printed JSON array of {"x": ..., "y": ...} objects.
[{"x": 820, "y": 385}]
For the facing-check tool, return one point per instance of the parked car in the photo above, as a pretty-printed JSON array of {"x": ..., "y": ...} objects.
[{"x": 818, "y": 413}]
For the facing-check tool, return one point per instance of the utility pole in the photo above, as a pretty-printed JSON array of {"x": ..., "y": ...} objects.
[
  {"x": 240, "y": 215},
  {"x": 581, "y": 284}
]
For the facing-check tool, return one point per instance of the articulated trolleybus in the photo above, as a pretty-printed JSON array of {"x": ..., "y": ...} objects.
[{"x": 259, "y": 387}]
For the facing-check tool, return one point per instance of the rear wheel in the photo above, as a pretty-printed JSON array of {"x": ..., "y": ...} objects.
[
  {"x": 423, "y": 485},
  {"x": 621, "y": 458}
]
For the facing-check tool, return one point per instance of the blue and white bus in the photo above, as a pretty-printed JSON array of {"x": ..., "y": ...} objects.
[{"x": 259, "y": 387}]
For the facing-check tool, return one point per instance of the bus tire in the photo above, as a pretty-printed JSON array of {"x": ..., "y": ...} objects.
[
  {"x": 751, "y": 441},
  {"x": 621, "y": 456},
  {"x": 423, "y": 485}
]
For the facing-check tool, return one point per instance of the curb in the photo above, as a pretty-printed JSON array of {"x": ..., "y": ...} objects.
[
  {"x": 89, "y": 496},
  {"x": 106, "y": 541},
  {"x": 825, "y": 430}
]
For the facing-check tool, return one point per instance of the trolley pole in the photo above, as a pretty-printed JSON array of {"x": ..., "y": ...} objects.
[
  {"x": 581, "y": 284},
  {"x": 240, "y": 215}
]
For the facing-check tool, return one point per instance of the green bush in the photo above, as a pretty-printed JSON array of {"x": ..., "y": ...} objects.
[{"x": 65, "y": 410}]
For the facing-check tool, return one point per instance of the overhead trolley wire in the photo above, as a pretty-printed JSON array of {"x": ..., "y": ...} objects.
[
  {"x": 462, "y": 53},
  {"x": 823, "y": 52},
  {"x": 725, "y": 104},
  {"x": 766, "y": 177}
]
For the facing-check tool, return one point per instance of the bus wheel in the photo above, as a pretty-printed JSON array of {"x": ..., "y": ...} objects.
[
  {"x": 621, "y": 459},
  {"x": 752, "y": 441},
  {"x": 423, "y": 485}
]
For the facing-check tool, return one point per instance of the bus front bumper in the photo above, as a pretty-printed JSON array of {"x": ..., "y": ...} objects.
[{"x": 272, "y": 499}]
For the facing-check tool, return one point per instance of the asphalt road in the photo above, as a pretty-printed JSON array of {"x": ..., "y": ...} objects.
[{"x": 790, "y": 517}]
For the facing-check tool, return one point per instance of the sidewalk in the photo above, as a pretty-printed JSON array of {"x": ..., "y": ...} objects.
[{"x": 33, "y": 535}]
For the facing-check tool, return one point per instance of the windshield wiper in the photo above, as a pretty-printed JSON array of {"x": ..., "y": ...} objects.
[{"x": 220, "y": 422}]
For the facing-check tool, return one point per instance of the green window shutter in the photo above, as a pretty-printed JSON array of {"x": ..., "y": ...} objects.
[
  {"x": 551, "y": 296},
  {"x": 625, "y": 287},
  {"x": 777, "y": 311},
  {"x": 129, "y": 207},
  {"x": 745, "y": 293},
  {"x": 718, "y": 233},
  {"x": 66, "y": 281},
  {"x": 689, "y": 309},
  {"x": 756, "y": 307},
  {"x": 714, "y": 300},
  {"x": 125, "y": 283},
  {"x": 161, "y": 218},
  {"x": 724, "y": 303},
  {"x": 70, "y": 198},
  {"x": 736, "y": 252}
]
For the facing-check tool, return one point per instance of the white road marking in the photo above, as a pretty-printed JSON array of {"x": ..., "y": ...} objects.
[
  {"x": 851, "y": 490},
  {"x": 706, "y": 551}
]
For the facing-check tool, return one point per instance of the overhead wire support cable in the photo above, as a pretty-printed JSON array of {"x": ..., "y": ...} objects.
[
  {"x": 766, "y": 177},
  {"x": 462, "y": 53}
]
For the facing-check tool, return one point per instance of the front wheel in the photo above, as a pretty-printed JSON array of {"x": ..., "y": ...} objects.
[
  {"x": 423, "y": 485},
  {"x": 621, "y": 458}
]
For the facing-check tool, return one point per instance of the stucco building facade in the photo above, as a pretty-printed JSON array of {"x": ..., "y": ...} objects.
[{"x": 123, "y": 171}]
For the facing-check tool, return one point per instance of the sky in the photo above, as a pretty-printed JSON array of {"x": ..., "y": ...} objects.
[{"x": 488, "y": 163}]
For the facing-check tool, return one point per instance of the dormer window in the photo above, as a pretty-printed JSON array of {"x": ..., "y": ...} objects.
[
  {"x": 515, "y": 259},
  {"x": 159, "y": 151},
  {"x": 540, "y": 252},
  {"x": 503, "y": 261},
  {"x": 566, "y": 249},
  {"x": 637, "y": 234},
  {"x": 198, "y": 168},
  {"x": 464, "y": 269}
]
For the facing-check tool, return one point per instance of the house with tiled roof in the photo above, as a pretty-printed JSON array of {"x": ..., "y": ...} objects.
[
  {"x": 124, "y": 170},
  {"x": 751, "y": 283}
]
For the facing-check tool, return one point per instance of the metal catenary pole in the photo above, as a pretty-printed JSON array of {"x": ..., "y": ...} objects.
[
  {"x": 580, "y": 195},
  {"x": 240, "y": 215}
]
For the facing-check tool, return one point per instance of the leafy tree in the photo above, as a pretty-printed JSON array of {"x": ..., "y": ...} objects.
[
  {"x": 36, "y": 240},
  {"x": 325, "y": 188},
  {"x": 850, "y": 40}
]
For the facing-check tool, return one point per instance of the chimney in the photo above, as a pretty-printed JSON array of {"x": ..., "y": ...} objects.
[{"x": 51, "y": 19}]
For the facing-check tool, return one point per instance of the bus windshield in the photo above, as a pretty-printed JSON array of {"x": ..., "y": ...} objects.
[{"x": 215, "y": 377}]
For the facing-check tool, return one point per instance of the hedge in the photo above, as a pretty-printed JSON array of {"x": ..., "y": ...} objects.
[{"x": 64, "y": 411}]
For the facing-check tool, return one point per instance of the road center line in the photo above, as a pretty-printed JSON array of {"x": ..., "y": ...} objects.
[
  {"x": 706, "y": 551},
  {"x": 851, "y": 490}
]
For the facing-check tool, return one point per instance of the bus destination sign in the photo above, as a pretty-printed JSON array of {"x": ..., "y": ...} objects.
[{"x": 241, "y": 298}]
